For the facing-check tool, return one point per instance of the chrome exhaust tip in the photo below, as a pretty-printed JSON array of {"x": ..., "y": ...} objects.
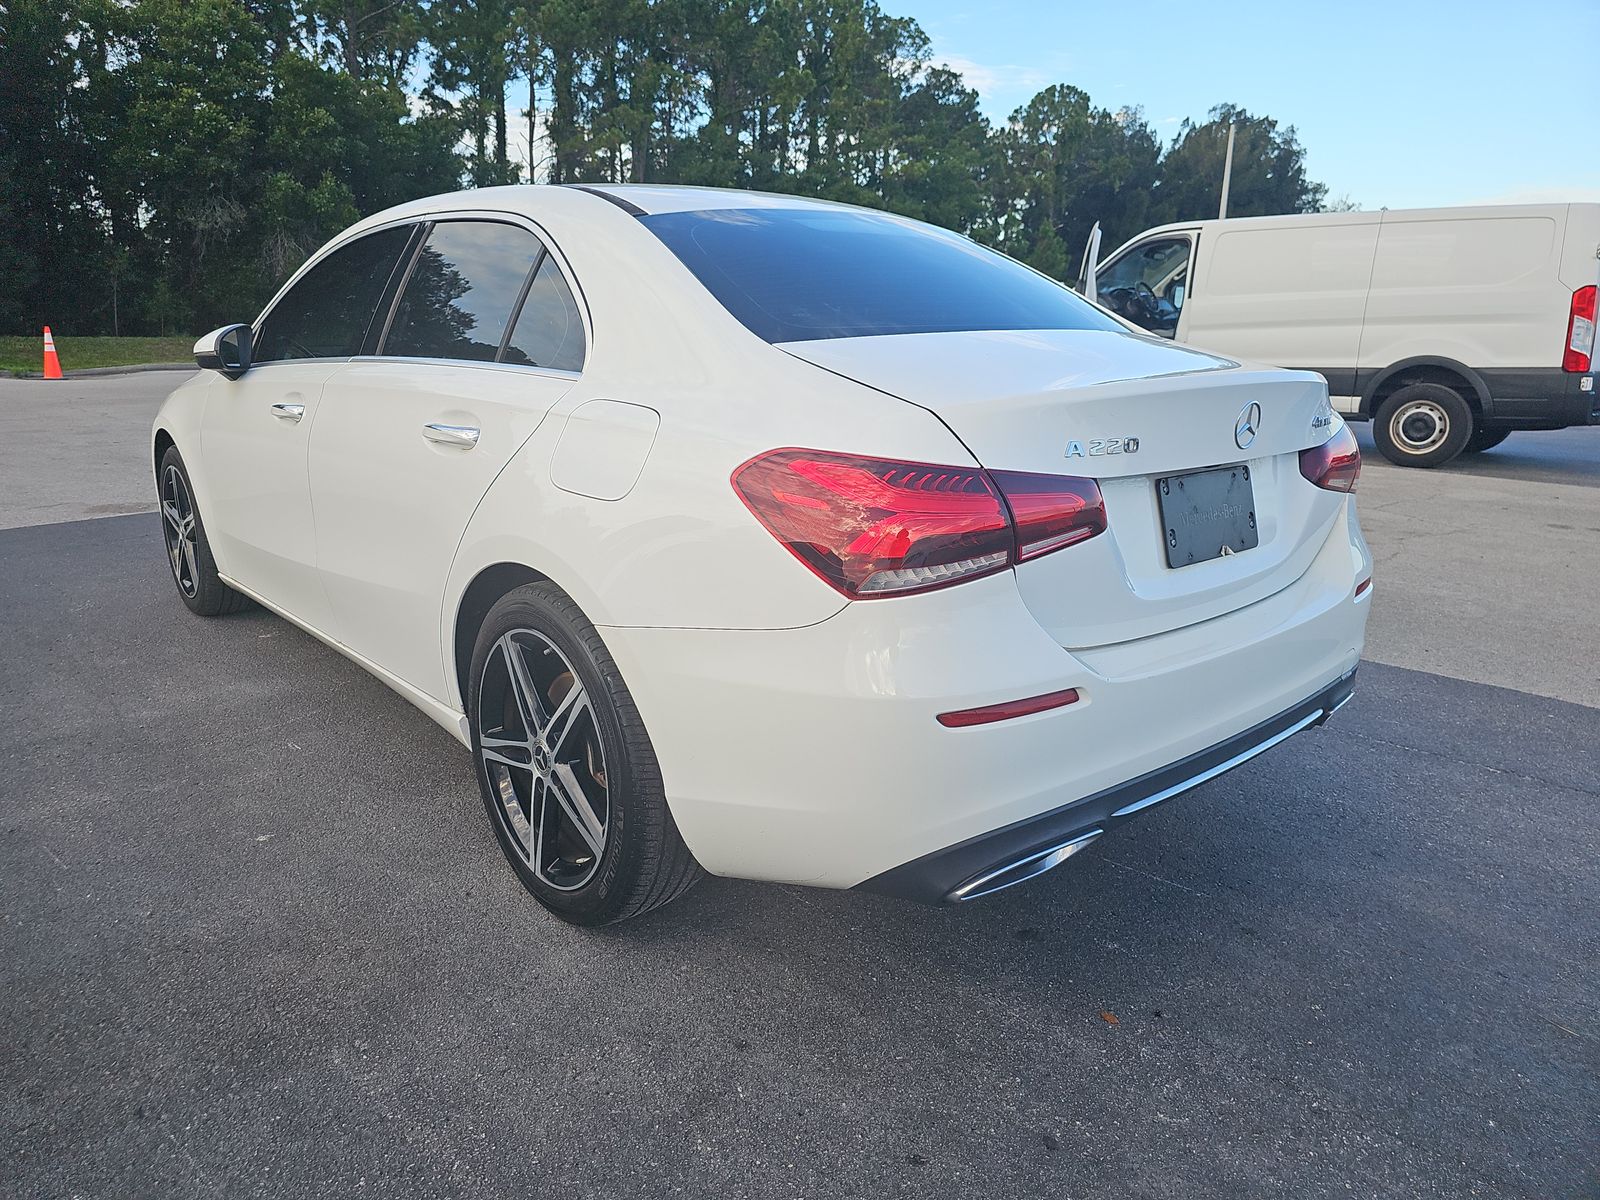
[{"x": 1021, "y": 870}]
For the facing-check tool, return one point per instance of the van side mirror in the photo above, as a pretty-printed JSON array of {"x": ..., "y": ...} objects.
[{"x": 226, "y": 350}]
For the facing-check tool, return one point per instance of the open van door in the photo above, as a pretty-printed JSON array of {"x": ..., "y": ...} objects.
[
  {"x": 1091, "y": 263},
  {"x": 1146, "y": 281}
]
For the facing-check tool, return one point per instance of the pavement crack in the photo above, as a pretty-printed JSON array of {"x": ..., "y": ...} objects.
[{"x": 1152, "y": 875}]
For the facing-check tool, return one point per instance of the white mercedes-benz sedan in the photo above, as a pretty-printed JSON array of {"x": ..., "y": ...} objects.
[{"x": 769, "y": 537}]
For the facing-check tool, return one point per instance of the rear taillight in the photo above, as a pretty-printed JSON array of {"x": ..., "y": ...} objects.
[
  {"x": 877, "y": 527},
  {"x": 1336, "y": 464},
  {"x": 1579, "y": 356},
  {"x": 1051, "y": 511}
]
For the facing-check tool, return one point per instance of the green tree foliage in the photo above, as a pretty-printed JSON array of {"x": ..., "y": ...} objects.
[
  {"x": 164, "y": 164},
  {"x": 1066, "y": 164},
  {"x": 49, "y": 216},
  {"x": 1269, "y": 174},
  {"x": 476, "y": 57}
]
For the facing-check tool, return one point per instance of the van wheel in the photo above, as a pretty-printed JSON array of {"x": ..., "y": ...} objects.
[
  {"x": 1485, "y": 439},
  {"x": 1422, "y": 425}
]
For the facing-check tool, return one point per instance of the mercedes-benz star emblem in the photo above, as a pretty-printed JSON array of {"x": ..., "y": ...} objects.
[{"x": 1246, "y": 427}]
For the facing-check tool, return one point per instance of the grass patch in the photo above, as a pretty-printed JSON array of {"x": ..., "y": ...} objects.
[{"x": 76, "y": 353}]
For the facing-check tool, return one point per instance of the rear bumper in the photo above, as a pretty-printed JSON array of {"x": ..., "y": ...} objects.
[
  {"x": 815, "y": 756},
  {"x": 1020, "y": 852},
  {"x": 1541, "y": 399}
]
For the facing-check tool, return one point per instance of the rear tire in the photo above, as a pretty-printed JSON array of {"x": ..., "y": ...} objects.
[
  {"x": 1485, "y": 439},
  {"x": 569, "y": 779},
  {"x": 1422, "y": 425},
  {"x": 194, "y": 571}
]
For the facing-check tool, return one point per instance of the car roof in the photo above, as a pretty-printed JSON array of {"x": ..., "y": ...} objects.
[
  {"x": 639, "y": 199},
  {"x": 580, "y": 202},
  {"x": 653, "y": 198}
]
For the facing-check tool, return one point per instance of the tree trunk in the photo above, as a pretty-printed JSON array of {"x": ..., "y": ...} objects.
[
  {"x": 563, "y": 120},
  {"x": 352, "y": 60}
]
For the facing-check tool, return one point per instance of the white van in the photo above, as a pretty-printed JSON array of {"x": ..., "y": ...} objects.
[{"x": 1447, "y": 327}]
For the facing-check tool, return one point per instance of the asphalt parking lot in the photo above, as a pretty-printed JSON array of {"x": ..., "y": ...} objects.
[{"x": 256, "y": 937}]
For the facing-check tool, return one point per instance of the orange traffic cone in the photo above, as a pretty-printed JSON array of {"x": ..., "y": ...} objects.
[{"x": 52, "y": 364}]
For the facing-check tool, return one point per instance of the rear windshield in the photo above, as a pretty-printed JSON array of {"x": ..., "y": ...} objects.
[{"x": 800, "y": 274}]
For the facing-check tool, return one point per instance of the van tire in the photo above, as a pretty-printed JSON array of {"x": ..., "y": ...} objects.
[
  {"x": 1485, "y": 439},
  {"x": 1422, "y": 425}
]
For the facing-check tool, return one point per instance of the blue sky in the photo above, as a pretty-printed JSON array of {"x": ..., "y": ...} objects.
[{"x": 1403, "y": 104}]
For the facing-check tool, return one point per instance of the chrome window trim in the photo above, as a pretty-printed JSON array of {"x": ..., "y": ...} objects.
[
  {"x": 505, "y": 217},
  {"x": 475, "y": 364}
]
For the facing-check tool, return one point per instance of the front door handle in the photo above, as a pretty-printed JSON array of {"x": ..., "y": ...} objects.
[
  {"x": 463, "y": 436},
  {"x": 289, "y": 412}
]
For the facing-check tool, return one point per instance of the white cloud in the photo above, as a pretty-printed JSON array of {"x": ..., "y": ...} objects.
[{"x": 1001, "y": 82}]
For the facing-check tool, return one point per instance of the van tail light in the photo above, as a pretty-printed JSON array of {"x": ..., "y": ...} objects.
[
  {"x": 1579, "y": 356},
  {"x": 1334, "y": 465},
  {"x": 877, "y": 527}
]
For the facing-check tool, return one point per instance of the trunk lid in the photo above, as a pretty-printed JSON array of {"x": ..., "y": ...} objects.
[{"x": 1067, "y": 402}]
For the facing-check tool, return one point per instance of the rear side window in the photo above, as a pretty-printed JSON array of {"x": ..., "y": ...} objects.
[
  {"x": 326, "y": 313},
  {"x": 799, "y": 274},
  {"x": 462, "y": 291},
  {"x": 549, "y": 332}
]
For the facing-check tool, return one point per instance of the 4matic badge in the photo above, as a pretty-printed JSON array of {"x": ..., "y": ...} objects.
[{"x": 1095, "y": 447}]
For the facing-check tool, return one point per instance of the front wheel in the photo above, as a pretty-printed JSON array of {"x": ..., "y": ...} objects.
[
  {"x": 188, "y": 548},
  {"x": 568, "y": 775},
  {"x": 1422, "y": 425}
]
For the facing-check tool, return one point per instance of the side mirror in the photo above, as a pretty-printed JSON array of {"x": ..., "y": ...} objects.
[{"x": 226, "y": 350}]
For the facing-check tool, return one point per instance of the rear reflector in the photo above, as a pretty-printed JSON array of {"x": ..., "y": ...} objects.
[
  {"x": 876, "y": 527},
  {"x": 1363, "y": 585},
  {"x": 1579, "y": 355},
  {"x": 1008, "y": 710},
  {"x": 1334, "y": 465}
]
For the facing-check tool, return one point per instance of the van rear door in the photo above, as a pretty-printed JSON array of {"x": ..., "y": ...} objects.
[
  {"x": 1580, "y": 268},
  {"x": 1477, "y": 286}
]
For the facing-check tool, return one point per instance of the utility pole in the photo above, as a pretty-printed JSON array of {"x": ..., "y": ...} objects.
[{"x": 1227, "y": 176}]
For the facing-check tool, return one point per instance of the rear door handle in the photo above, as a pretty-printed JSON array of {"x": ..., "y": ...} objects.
[
  {"x": 463, "y": 436},
  {"x": 289, "y": 412}
]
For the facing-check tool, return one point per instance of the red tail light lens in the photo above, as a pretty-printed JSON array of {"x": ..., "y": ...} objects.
[
  {"x": 1334, "y": 465},
  {"x": 1579, "y": 355},
  {"x": 876, "y": 527},
  {"x": 1051, "y": 511}
]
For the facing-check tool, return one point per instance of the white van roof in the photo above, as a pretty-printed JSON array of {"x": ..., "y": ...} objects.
[{"x": 1366, "y": 216}]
